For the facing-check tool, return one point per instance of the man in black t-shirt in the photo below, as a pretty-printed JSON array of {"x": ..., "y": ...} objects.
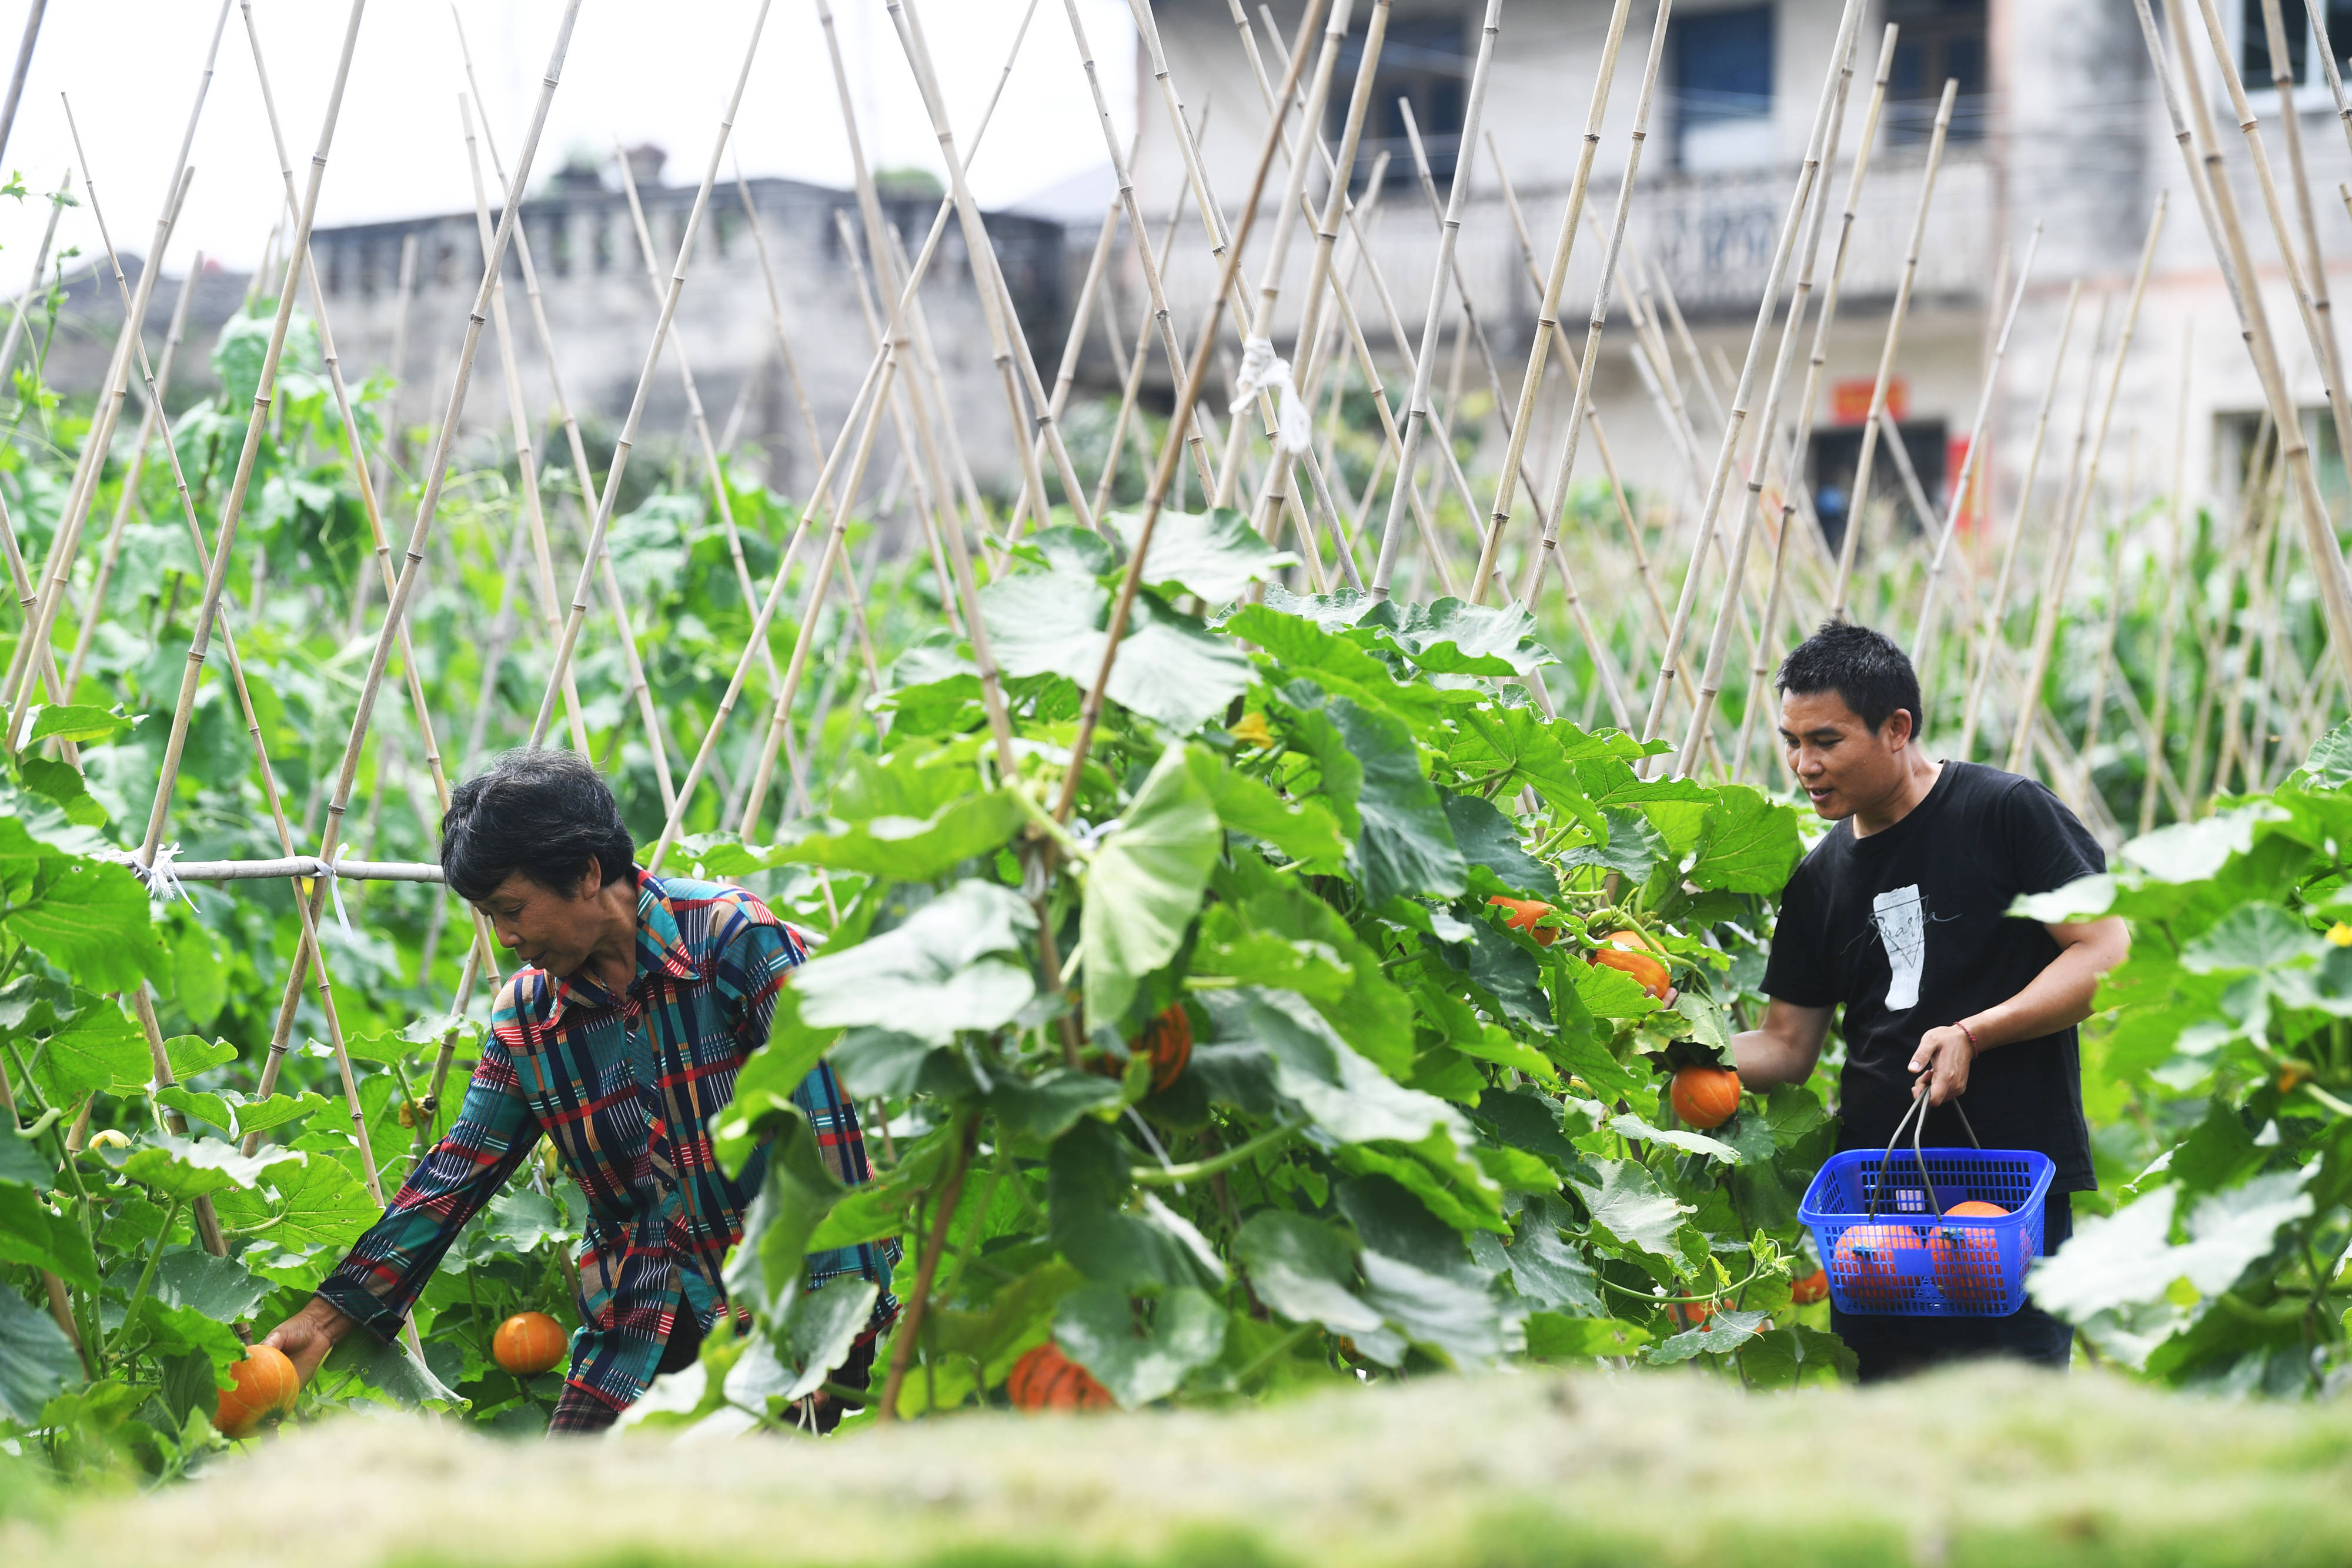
[{"x": 1900, "y": 913}]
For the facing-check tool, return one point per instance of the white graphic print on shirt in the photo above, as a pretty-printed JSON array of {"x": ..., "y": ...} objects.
[{"x": 1900, "y": 914}]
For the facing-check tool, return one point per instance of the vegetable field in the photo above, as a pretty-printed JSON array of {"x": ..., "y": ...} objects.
[{"x": 1282, "y": 923}]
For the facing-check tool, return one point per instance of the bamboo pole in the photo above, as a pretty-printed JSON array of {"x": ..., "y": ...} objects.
[
  {"x": 2161, "y": 701},
  {"x": 1259, "y": 323},
  {"x": 94, "y": 605},
  {"x": 380, "y": 473},
  {"x": 1131, "y": 384},
  {"x": 1219, "y": 241},
  {"x": 934, "y": 519},
  {"x": 713, "y": 470},
  {"x": 1923, "y": 638},
  {"x": 2045, "y": 629},
  {"x": 2309, "y": 288},
  {"x": 776, "y": 318},
  {"x": 633, "y": 664},
  {"x": 65, "y": 542},
  {"x": 2219, "y": 205},
  {"x": 2104, "y": 667},
  {"x": 928, "y": 383},
  {"x": 872, "y": 395},
  {"x": 570, "y": 636},
  {"x": 308, "y": 947},
  {"x": 1589, "y": 363},
  {"x": 363, "y": 471},
  {"x": 526, "y": 456},
  {"x": 1196, "y": 376},
  {"x": 428, "y": 505},
  {"x": 1992, "y": 638},
  {"x": 216, "y": 570},
  {"x": 2255, "y": 577},
  {"x": 1727, "y": 454},
  {"x": 1555, "y": 280},
  {"x": 1308, "y": 346},
  {"x": 58, "y": 201},
  {"x": 1813, "y": 195},
  {"x": 1416, "y": 414},
  {"x": 1007, "y": 344},
  {"x": 1857, "y": 508},
  {"x": 1570, "y": 367},
  {"x": 2265, "y": 471},
  {"x": 23, "y": 64}
]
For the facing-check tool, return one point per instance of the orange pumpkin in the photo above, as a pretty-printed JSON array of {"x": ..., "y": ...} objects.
[
  {"x": 263, "y": 1385},
  {"x": 1637, "y": 956},
  {"x": 1813, "y": 1287},
  {"x": 1879, "y": 1264},
  {"x": 1166, "y": 1042},
  {"x": 1045, "y": 1379},
  {"x": 1521, "y": 915},
  {"x": 1968, "y": 1256},
  {"x": 528, "y": 1343},
  {"x": 1705, "y": 1097}
]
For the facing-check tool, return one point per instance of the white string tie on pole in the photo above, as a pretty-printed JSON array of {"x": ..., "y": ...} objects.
[
  {"x": 1261, "y": 372},
  {"x": 159, "y": 879},
  {"x": 335, "y": 888}
]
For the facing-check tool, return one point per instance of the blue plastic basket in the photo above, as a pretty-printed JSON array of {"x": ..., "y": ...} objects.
[{"x": 1890, "y": 1249}]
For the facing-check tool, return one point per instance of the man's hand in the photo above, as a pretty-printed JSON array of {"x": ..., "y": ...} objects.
[
  {"x": 310, "y": 1335},
  {"x": 1942, "y": 1058}
]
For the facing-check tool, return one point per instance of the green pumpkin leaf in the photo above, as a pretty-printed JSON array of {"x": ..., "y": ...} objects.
[
  {"x": 1748, "y": 843},
  {"x": 1631, "y": 1207},
  {"x": 1213, "y": 554},
  {"x": 36, "y": 1360},
  {"x": 184, "y": 1168},
  {"x": 1145, "y": 884},
  {"x": 91, "y": 919},
  {"x": 32, "y": 1234},
  {"x": 1488, "y": 839},
  {"x": 1140, "y": 1351},
  {"x": 955, "y": 963},
  {"x": 82, "y": 726},
  {"x": 1303, "y": 831}
]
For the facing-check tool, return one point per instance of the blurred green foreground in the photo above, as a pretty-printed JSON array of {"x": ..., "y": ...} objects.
[{"x": 1984, "y": 1466}]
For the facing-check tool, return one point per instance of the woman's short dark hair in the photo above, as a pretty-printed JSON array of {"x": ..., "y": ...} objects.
[
  {"x": 1863, "y": 667},
  {"x": 540, "y": 811}
]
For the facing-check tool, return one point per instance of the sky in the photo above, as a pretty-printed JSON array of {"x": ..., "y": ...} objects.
[{"x": 640, "y": 71}]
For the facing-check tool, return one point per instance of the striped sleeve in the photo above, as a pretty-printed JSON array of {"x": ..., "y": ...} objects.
[{"x": 379, "y": 1281}]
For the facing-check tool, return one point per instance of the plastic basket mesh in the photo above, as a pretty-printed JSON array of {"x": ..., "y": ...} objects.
[{"x": 1916, "y": 1257}]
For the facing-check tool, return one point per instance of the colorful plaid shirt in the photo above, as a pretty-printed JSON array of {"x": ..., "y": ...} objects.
[{"x": 628, "y": 1087}]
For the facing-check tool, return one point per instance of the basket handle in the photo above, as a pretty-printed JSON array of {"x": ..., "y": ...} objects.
[
  {"x": 1914, "y": 1116},
  {"x": 1917, "y": 1110}
]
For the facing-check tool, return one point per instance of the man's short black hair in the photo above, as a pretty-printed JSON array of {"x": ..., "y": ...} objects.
[
  {"x": 1863, "y": 667},
  {"x": 540, "y": 811}
]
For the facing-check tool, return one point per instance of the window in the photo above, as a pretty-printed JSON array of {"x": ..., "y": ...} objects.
[
  {"x": 1837, "y": 453},
  {"x": 1723, "y": 89},
  {"x": 1425, "y": 61},
  {"x": 2302, "y": 46},
  {"x": 1941, "y": 40},
  {"x": 2245, "y": 455}
]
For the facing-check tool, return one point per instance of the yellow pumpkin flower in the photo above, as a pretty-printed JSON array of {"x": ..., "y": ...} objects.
[
  {"x": 2339, "y": 935},
  {"x": 1252, "y": 731}
]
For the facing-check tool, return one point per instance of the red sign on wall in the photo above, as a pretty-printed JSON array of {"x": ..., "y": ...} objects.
[{"x": 1850, "y": 398}]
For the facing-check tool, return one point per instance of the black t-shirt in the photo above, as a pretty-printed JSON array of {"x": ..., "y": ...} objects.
[{"x": 1908, "y": 927}]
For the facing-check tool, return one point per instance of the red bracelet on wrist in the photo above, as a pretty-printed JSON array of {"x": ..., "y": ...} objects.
[{"x": 1970, "y": 1035}]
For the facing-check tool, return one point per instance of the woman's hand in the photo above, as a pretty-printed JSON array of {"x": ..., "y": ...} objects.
[{"x": 310, "y": 1335}]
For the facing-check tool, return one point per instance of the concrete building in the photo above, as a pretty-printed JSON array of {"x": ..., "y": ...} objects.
[
  {"x": 600, "y": 310},
  {"x": 2058, "y": 122}
]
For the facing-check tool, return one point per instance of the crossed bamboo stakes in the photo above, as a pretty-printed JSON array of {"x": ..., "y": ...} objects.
[{"x": 1749, "y": 489}]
